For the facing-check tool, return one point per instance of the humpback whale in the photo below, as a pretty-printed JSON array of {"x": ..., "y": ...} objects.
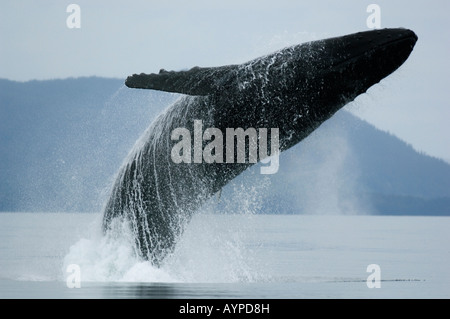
[{"x": 294, "y": 89}]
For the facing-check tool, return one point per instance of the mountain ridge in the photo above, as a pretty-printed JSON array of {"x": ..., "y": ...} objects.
[{"x": 62, "y": 141}]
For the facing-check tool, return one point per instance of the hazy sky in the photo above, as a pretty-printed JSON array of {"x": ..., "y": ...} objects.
[{"x": 119, "y": 37}]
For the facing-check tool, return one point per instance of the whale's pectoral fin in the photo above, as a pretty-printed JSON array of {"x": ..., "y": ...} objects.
[{"x": 196, "y": 81}]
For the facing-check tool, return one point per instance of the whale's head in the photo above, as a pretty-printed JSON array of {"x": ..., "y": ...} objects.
[
  {"x": 335, "y": 71},
  {"x": 304, "y": 85}
]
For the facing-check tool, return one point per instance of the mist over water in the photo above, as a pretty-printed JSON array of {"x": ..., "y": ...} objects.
[
  {"x": 211, "y": 250},
  {"x": 212, "y": 247},
  {"x": 329, "y": 165}
]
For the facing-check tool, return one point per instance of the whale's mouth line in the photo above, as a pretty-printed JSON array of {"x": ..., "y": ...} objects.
[{"x": 412, "y": 38}]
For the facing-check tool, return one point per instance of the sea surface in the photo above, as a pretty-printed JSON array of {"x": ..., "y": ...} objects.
[{"x": 50, "y": 255}]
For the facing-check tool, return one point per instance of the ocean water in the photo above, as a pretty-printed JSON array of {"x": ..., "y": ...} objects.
[{"x": 229, "y": 256}]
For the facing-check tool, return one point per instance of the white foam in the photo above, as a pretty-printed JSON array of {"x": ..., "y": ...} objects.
[{"x": 211, "y": 250}]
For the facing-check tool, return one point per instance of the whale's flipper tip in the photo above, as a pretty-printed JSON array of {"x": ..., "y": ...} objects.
[{"x": 196, "y": 81}]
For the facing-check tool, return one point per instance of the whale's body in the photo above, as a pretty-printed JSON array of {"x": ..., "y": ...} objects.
[{"x": 295, "y": 90}]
